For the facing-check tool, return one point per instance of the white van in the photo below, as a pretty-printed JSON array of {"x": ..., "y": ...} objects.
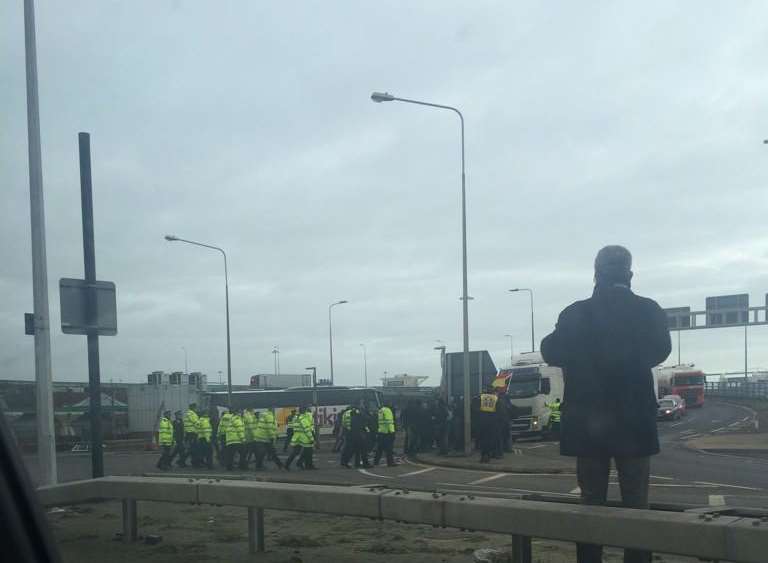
[{"x": 531, "y": 384}]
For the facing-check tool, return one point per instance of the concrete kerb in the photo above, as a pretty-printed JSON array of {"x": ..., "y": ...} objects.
[{"x": 460, "y": 463}]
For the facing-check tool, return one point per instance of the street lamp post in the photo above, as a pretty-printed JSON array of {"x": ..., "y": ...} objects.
[
  {"x": 533, "y": 334},
  {"x": 386, "y": 97},
  {"x": 365, "y": 365},
  {"x": 186, "y": 360},
  {"x": 276, "y": 358},
  {"x": 313, "y": 369},
  {"x": 511, "y": 349},
  {"x": 174, "y": 238},
  {"x": 330, "y": 332}
]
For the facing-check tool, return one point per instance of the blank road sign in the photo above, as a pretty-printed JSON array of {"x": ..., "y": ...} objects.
[
  {"x": 678, "y": 317},
  {"x": 74, "y": 293},
  {"x": 724, "y": 310}
]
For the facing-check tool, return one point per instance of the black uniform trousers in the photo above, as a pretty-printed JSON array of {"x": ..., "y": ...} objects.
[{"x": 384, "y": 445}]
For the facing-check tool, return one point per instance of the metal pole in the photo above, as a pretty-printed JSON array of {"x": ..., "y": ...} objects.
[
  {"x": 330, "y": 339},
  {"x": 186, "y": 360},
  {"x": 533, "y": 333},
  {"x": 678, "y": 349},
  {"x": 46, "y": 440},
  {"x": 365, "y": 366},
  {"x": 745, "y": 351},
  {"x": 89, "y": 258},
  {"x": 465, "y": 294},
  {"x": 465, "y": 300},
  {"x": 229, "y": 350}
]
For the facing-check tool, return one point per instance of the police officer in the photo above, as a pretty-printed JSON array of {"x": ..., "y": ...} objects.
[
  {"x": 386, "y": 435},
  {"x": 265, "y": 435},
  {"x": 178, "y": 439},
  {"x": 249, "y": 424},
  {"x": 235, "y": 436},
  {"x": 190, "y": 437},
  {"x": 204, "y": 433},
  {"x": 553, "y": 426},
  {"x": 165, "y": 441},
  {"x": 221, "y": 435},
  {"x": 290, "y": 424},
  {"x": 487, "y": 425},
  {"x": 356, "y": 445},
  {"x": 303, "y": 440}
]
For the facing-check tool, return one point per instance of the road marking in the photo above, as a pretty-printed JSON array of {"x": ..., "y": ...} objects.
[
  {"x": 717, "y": 430},
  {"x": 715, "y": 421},
  {"x": 417, "y": 472},
  {"x": 716, "y": 500},
  {"x": 377, "y": 476},
  {"x": 489, "y": 478},
  {"x": 726, "y": 485},
  {"x": 689, "y": 431},
  {"x": 576, "y": 491},
  {"x": 691, "y": 436},
  {"x": 677, "y": 424},
  {"x": 536, "y": 446},
  {"x": 660, "y": 477}
]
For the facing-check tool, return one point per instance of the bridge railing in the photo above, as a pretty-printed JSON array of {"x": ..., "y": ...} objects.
[
  {"x": 737, "y": 389},
  {"x": 717, "y": 536}
]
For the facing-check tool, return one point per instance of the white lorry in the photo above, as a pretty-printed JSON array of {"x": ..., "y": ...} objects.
[{"x": 531, "y": 384}]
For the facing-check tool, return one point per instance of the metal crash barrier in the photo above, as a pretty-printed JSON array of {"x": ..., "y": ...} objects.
[{"x": 707, "y": 536}]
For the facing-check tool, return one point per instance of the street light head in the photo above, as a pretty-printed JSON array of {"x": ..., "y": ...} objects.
[
  {"x": 379, "y": 97},
  {"x": 343, "y": 301},
  {"x": 171, "y": 237},
  {"x": 309, "y": 368},
  {"x": 516, "y": 289}
]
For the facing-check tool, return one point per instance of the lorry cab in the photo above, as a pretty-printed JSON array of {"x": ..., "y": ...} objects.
[{"x": 531, "y": 384}]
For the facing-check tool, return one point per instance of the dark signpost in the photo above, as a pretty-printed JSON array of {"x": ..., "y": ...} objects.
[{"x": 89, "y": 306}]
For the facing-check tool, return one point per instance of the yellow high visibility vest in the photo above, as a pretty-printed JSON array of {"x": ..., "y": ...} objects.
[{"x": 488, "y": 402}]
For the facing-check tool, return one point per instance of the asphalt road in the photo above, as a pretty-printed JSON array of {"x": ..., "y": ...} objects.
[{"x": 679, "y": 474}]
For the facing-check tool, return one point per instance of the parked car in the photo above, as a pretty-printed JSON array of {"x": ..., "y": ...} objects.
[{"x": 669, "y": 409}]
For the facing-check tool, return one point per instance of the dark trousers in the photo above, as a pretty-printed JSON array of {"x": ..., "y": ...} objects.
[
  {"x": 176, "y": 451},
  {"x": 441, "y": 438},
  {"x": 592, "y": 475},
  {"x": 165, "y": 457},
  {"x": 205, "y": 453},
  {"x": 189, "y": 451},
  {"x": 385, "y": 444},
  {"x": 305, "y": 456},
  {"x": 412, "y": 440},
  {"x": 341, "y": 438},
  {"x": 231, "y": 451},
  {"x": 288, "y": 436},
  {"x": 355, "y": 446},
  {"x": 265, "y": 449},
  {"x": 222, "y": 452}
]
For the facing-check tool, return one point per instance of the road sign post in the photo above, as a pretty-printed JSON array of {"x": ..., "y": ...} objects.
[{"x": 89, "y": 306}]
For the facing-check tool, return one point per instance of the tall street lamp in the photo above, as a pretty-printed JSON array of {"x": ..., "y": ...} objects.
[
  {"x": 533, "y": 335},
  {"x": 365, "y": 365},
  {"x": 186, "y": 360},
  {"x": 174, "y": 238},
  {"x": 511, "y": 349},
  {"x": 387, "y": 97},
  {"x": 330, "y": 332}
]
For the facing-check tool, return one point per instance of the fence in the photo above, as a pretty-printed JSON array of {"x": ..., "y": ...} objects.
[
  {"x": 737, "y": 389},
  {"x": 715, "y": 535}
]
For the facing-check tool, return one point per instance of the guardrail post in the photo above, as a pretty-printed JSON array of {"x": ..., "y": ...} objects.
[
  {"x": 255, "y": 530},
  {"x": 130, "y": 520},
  {"x": 521, "y": 549}
]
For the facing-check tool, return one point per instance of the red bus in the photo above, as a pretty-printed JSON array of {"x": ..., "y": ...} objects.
[{"x": 684, "y": 381}]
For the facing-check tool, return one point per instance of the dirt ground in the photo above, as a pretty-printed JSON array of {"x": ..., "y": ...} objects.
[{"x": 88, "y": 533}]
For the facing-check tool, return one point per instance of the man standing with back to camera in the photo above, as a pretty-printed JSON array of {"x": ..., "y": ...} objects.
[{"x": 607, "y": 345}]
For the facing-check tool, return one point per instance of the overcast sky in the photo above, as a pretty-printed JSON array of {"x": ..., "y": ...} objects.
[{"x": 249, "y": 125}]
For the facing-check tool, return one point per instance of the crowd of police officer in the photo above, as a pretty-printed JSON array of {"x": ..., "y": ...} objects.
[{"x": 239, "y": 436}]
